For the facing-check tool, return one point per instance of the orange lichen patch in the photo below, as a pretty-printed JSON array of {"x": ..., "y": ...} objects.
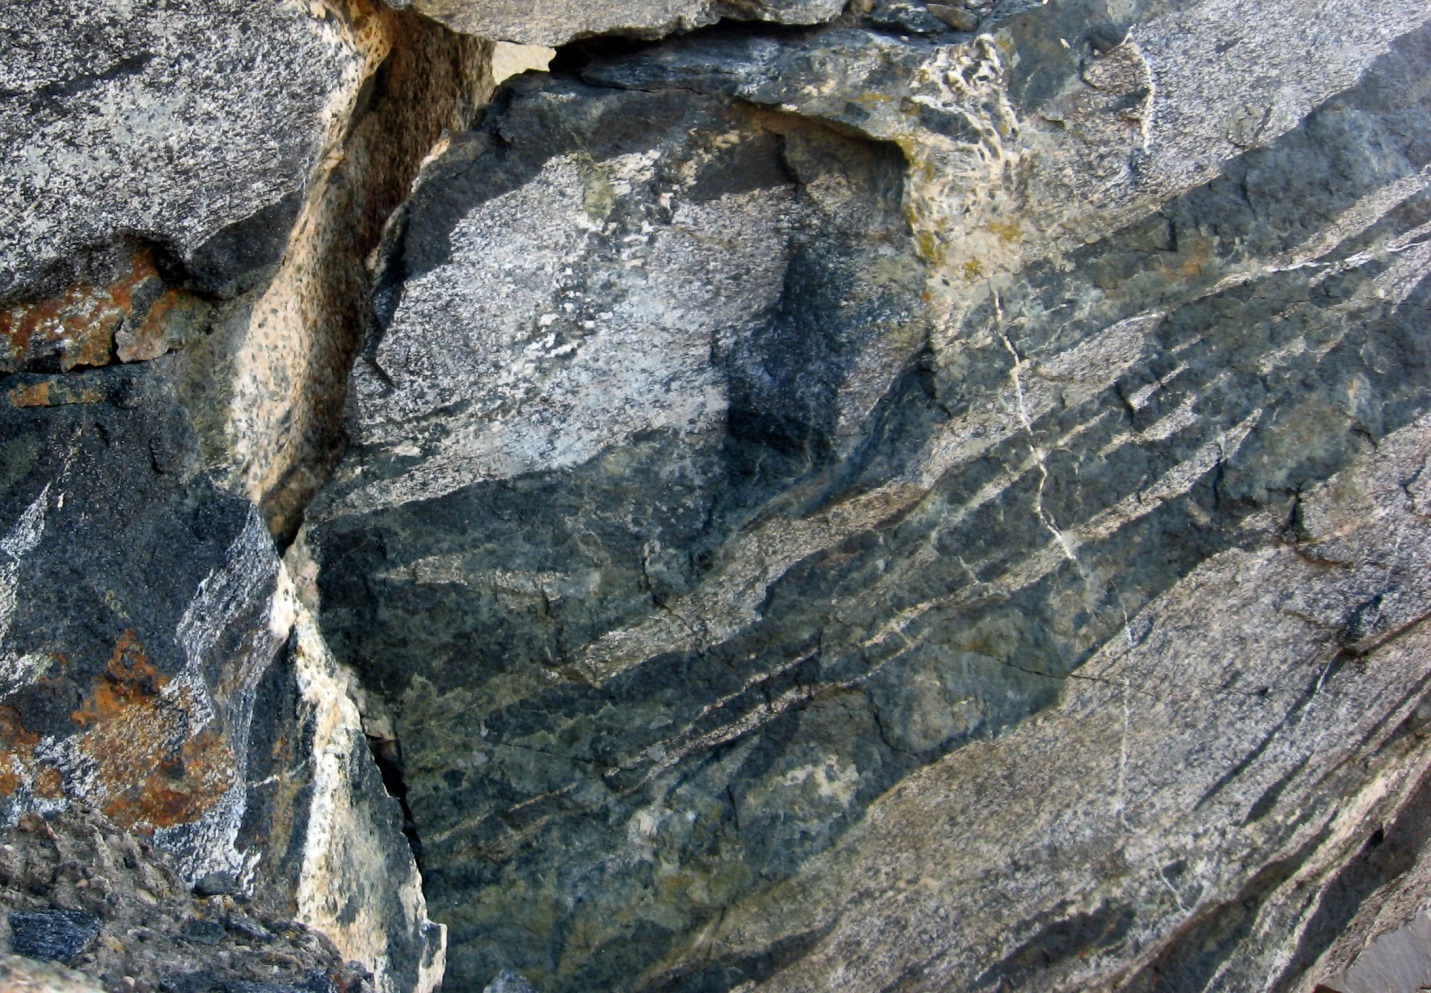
[
  {"x": 49, "y": 783},
  {"x": 52, "y": 393},
  {"x": 37, "y": 395},
  {"x": 17, "y": 751},
  {"x": 151, "y": 770},
  {"x": 86, "y": 325},
  {"x": 180, "y": 787},
  {"x": 154, "y": 335},
  {"x": 129, "y": 681}
]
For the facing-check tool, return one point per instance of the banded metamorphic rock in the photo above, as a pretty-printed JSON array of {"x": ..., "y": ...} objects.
[{"x": 800, "y": 496}]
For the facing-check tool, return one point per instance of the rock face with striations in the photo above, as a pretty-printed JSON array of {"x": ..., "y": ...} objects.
[
  {"x": 876, "y": 495},
  {"x": 848, "y": 509}
]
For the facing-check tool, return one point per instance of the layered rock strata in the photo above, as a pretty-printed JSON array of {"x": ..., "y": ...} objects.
[
  {"x": 792, "y": 444},
  {"x": 875, "y": 495}
]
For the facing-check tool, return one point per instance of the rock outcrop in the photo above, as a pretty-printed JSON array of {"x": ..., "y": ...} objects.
[
  {"x": 775, "y": 432},
  {"x": 804, "y": 495},
  {"x": 180, "y": 185},
  {"x": 81, "y": 893}
]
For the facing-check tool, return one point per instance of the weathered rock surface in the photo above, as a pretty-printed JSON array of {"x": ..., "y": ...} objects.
[
  {"x": 542, "y": 22},
  {"x": 851, "y": 505},
  {"x": 136, "y": 613},
  {"x": 22, "y": 975},
  {"x": 317, "y": 802},
  {"x": 275, "y": 368},
  {"x": 852, "y": 509},
  {"x": 236, "y": 165},
  {"x": 158, "y": 667},
  {"x": 78, "y": 890},
  {"x": 189, "y": 126}
]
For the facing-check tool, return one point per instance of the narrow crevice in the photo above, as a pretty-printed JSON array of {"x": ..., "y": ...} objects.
[
  {"x": 272, "y": 425},
  {"x": 387, "y": 755}
]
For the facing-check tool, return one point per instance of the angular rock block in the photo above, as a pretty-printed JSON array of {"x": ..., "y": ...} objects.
[
  {"x": 136, "y": 614},
  {"x": 190, "y": 127},
  {"x": 52, "y": 935}
]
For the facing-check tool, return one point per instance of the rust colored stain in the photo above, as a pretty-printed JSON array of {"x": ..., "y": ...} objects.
[
  {"x": 154, "y": 770},
  {"x": 52, "y": 393},
  {"x": 31, "y": 396},
  {"x": 153, "y": 335},
  {"x": 17, "y": 750},
  {"x": 150, "y": 761},
  {"x": 130, "y": 680},
  {"x": 91, "y": 325}
]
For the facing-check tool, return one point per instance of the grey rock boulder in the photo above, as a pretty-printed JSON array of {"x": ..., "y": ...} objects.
[
  {"x": 189, "y": 126},
  {"x": 544, "y": 22}
]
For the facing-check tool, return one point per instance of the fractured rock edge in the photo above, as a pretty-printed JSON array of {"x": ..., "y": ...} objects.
[
  {"x": 425, "y": 80},
  {"x": 316, "y": 674}
]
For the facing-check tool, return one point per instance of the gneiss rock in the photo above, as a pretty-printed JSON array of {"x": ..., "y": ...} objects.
[
  {"x": 797, "y": 487},
  {"x": 902, "y": 15},
  {"x": 333, "y": 843},
  {"x": 119, "y": 886},
  {"x": 52, "y": 935},
  {"x": 191, "y": 123},
  {"x": 556, "y": 22},
  {"x": 136, "y": 613}
]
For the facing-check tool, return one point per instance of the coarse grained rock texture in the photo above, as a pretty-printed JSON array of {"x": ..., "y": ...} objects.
[
  {"x": 136, "y": 613},
  {"x": 189, "y": 125},
  {"x": 233, "y": 164},
  {"x": 853, "y": 510},
  {"x": 140, "y": 926},
  {"x": 158, "y": 667},
  {"x": 542, "y": 22},
  {"x": 274, "y": 371},
  {"x": 874, "y": 496}
]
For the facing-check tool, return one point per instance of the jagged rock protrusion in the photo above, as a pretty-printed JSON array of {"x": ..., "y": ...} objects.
[
  {"x": 186, "y": 123},
  {"x": 274, "y": 373},
  {"x": 340, "y": 861},
  {"x": 136, "y": 613}
]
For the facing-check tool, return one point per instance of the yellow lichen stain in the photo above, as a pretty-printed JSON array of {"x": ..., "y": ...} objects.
[
  {"x": 1195, "y": 253},
  {"x": 1009, "y": 231}
]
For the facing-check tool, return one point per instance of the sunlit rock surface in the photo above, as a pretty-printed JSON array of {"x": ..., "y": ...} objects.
[
  {"x": 851, "y": 509},
  {"x": 862, "y": 497},
  {"x": 542, "y": 22}
]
